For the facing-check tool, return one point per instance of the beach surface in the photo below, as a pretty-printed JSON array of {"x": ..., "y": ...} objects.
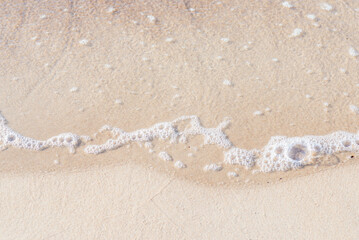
[{"x": 179, "y": 120}]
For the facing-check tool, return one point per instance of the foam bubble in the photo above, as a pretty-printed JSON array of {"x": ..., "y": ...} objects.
[
  {"x": 111, "y": 10},
  {"x": 163, "y": 131},
  {"x": 165, "y": 156},
  {"x": 225, "y": 40},
  {"x": 326, "y": 6},
  {"x": 179, "y": 164},
  {"x": 312, "y": 17},
  {"x": 227, "y": 82},
  {"x": 212, "y": 167},
  {"x": 353, "y": 52},
  {"x": 240, "y": 156},
  {"x": 151, "y": 19},
  {"x": 297, "y": 32},
  {"x": 283, "y": 153},
  {"x": 74, "y": 89},
  {"x": 280, "y": 154},
  {"x": 9, "y": 137},
  {"x": 232, "y": 174},
  {"x": 84, "y": 42},
  {"x": 287, "y": 4},
  {"x": 258, "y": 113},
  {"x": 169, "y": 40}
]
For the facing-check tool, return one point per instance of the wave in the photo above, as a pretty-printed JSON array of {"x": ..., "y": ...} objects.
[{"x": 280, "y": 154}]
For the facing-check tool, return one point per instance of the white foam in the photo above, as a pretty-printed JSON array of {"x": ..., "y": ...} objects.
[
  {"x": 326, "y": 104},
  {"x": 326, "y": 6},
  {"x": 165, "y": 156},
  {"x": 212, "y": 167},
  {"x": 283, "y": 153},
  {"x": 343, "y": 70},
  {"x": 312, "y": 17},
  {"x": 9, "y": 137},
  {"x": 163, "y": 131},
  {"x": 108, "y": 66},
  {"x": 169, "y": 40},
  {"x": 179, "y": 164},
  {"x": 119, "y": 101},
  {"x": 74, "y": 89},
  {"x": 287, "y": 4},
  {"x": 151, "y": 19},
  {"x": 258, "y": 113},
  {"x": 225, "y": 40},
  {"x": 353, "y": 52},
  {"x": 227, "y": 82},
  {"x": 232, "y": 174},
  {"x": 84, "y": 42},
  {"x": 111, "y": 10},
  {"x": 280, "y": 154},
  {"x": 240, "y": 156},
  {"x": 297, "y": 32}
]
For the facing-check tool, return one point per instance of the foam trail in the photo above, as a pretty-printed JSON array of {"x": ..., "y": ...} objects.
[
  {"x": 163, "y": 131},
  {"x": 280, "y": 154},
  {"x": 283, "y": 153},
  {"x": 9, "y": 137}
]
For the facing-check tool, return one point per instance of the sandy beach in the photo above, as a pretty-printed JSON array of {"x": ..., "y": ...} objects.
[{"x": 179, "y": 120}]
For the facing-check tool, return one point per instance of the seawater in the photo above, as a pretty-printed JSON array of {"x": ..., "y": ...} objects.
[{"x": 280, "y": 154}]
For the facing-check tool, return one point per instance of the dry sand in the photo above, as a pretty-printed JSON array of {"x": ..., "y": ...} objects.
[{"x": 270, "y": 68}]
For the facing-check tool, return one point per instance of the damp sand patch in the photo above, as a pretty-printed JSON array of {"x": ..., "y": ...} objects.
[{"x": 281, "y": 154}]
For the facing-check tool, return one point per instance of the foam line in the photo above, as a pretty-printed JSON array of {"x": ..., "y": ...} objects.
[
  {"x": 9, "y": 137},
  {"x": 280, "y": 154}
]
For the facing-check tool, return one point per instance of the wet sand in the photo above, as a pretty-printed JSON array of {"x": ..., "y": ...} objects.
[{"x": 270, "y": 69}]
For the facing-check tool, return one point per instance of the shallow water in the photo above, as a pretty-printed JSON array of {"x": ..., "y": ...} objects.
[{"x": 270, "y": 69}]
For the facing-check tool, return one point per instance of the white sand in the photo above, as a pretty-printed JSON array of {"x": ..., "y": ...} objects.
[
  {"x": 131, "y": 202},
  {"x": 267, "y": 68}
]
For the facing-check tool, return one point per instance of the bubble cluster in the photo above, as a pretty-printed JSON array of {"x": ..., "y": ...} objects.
[
  {"x": 214, "y": 136},
  {"x": 283, "y": 153},
  {"x": 287, "y": 4},
  {"x": 212, "y": 167},
  {"x": 9, "y": 137},
  {"x": 240, "y": 156},
  {"x": 280, "y": 154},
  {"x": 326, "y": 7},
  {"x": 163, "y": 131},
  {"x": 179, "y": 165},
  {"x": 165, "y": 156}
]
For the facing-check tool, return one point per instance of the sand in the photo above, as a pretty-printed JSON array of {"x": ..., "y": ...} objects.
[
  {"x": 130, "y": 202},
  {"x": 271, "y": 68}
]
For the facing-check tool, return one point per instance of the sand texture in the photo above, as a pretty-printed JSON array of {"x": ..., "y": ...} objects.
[{"x": 179, "y": 119}]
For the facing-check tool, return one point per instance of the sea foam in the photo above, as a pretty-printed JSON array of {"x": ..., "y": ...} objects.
[
  {"x": 9, "y": 137},
  {"x": 280, "y": 154}
]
